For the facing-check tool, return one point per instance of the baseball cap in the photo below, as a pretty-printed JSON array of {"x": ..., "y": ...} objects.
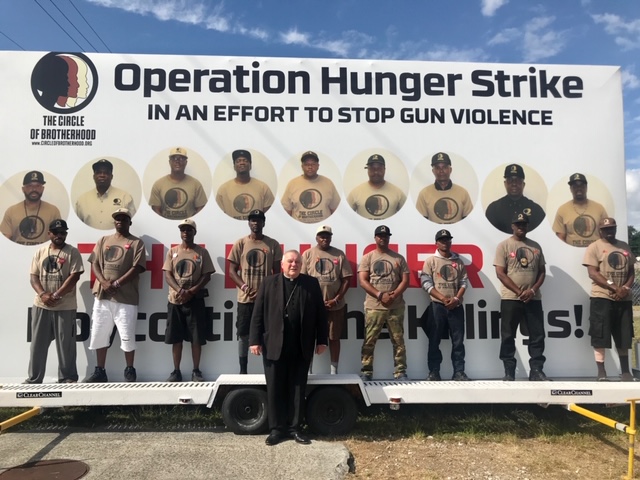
[
  {"x": 440, "y": 157},
  {"x": 241, "y": 153},
  {"x": 33, "y": 176},
  {"x": 577, "y": 177},
  {"x": 256, "y": 214},
  {"x": 188, "y": 222},
  {"x": 607, "y": 223},
  {"x": 121, "y": 211},
  {"x": 58, "y": 224},
  {"x": 375, "y": 158},
  {"x": 102, "y": 163},
  {"x": 382, "y": 229},
  {"x": 178, "y": 151},
  {"x": 324, "y": 229},
  {"x": 442, "y": 234},
  {"x": 520, "y": 218},
  {"x": 309, "y": 154},
  {"x": 514, "y": 170}
]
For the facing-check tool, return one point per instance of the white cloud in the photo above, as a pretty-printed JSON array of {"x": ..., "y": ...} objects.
[
  {"x": 539, "y": 41},
  {"x": 507, "y": 35},
  {"x": 633, "y": 197},
  {"x": 630, "y": 80},
  {"x": 625, "y": 33},
  {"x": 489, "y": 7},
  {"x": 294, "y": 37}
]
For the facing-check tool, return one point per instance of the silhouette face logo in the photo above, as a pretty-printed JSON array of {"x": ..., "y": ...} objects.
[
  {"x": 244, "y": 203},
  {"x": 185, "y": 268},
  {"x": 324, "y": 266},
  {"x": 51, "y": 265},
  {"x": 617, "y": 261},
  {"x": 524, "y": 256},
  {"x": 114, "y": 253},
  {"x": 382, "y": 268},
  {"x": 377, "y": 205},
  {"x": 256, "y": 258},
  {"x": 446, "y": 208},
  {"x": 310, "y": 198},
  {"x": 64, "y": 82},
  {"x": 176, "y": 198},
  {"x": 31, "y": 227},
  {"x": 584, "y": 225},
  {"x": 448, "y": 273}
]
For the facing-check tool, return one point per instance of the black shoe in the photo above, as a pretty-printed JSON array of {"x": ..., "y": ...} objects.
[
  {"x": 460, "y": 377},
  {"x": 627, "y": 377},
  {"x": 538, "y": 376},
  {"x": 130, "y": 374},
  {"x": 274, "y": 438},
  {"x": 300, "y": 438},
  {"x": 509, "y": 375},
  {"x": 196, "y": 376},
  {"x": 176, "y": 376},
  {"x": 402, "y": 377},
  {"x": 366, "y": 376},
  {"x": 434, "y": 376},
  {"x": 98, "y": 376}
]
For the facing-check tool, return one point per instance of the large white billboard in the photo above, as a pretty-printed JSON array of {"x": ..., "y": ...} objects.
[{"x": 64, "y": 111}]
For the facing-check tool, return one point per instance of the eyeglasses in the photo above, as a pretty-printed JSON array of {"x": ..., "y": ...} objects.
[{"x": 62, "y": 233}]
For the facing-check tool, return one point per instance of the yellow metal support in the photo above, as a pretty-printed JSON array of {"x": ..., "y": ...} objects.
[
  {"x": 20, "y": 418},
  {"x": 630, "y": 429}
]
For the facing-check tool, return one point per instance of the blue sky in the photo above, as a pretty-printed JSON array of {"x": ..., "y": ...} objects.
[{"x": 591, "y": 32}]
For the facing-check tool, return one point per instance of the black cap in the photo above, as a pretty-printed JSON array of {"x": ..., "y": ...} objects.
[
  {"x": 608, "y": 222},
  {"x": 241, "y": 153},
  {"x": 382, "y": 229},
  {"x": 102, "y": 163},
  {"x": 440, "y": 157},
  {"x": 33, "y": 176},
  {"x": 256, "y": 214},
  {"x": 577, "y": 177},
  {"x": 520, "y": 218},
  {"x": 58, "y": 224},
  {"x": 442, "y": 234},
  {"x": 375, "y": 158},
  {"x": 513, "y": 170},
  {"x": 309, "y": 154}
]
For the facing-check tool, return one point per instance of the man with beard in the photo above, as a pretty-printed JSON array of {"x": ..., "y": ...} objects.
[
  {"x": 96, "y": 206},
  {"x": 239, "y": 196},
  {"x": 288, "y": 324},
  {"x": 377, "y": 198},
  {"x": 310, "y": 198},
  {"x": 514, "y": 202},
  {"x": 443, "y": 201},
  {"x": 250, "y": 260},
  {"x": 187, "y": 269},
  {"x": 25, "y": 222},
  {"x": 332, "y": 269},
  {"x": 520, "y": 267},
  {"x": 177, "y": 196},
  {"x": 384, "y": 276},
  {"x": 55, "y": 270},
  {"x": 577, "y": 221},
  {"x": 610, "y": 262},
  {"x": 444, "y": 278},
  {"x": 117, "y": 261}
]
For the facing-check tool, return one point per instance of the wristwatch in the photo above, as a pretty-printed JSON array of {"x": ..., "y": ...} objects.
[{"x": 609, "y": 282}]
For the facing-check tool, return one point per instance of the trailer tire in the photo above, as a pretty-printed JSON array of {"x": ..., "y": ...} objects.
[
  {"x": 244, "y": 411},
  {"x": 331, "y": 411}
]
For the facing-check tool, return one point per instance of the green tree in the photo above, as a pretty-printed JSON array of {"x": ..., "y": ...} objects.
[{"x": 634, "y": 240}]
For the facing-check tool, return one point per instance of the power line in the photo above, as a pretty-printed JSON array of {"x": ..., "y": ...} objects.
[
  {"x": 11, "y": 40},
  {"x": 61, "y": 27},
  {"x": 76, "y": 28},
  {"x": 92, "y": 29}
]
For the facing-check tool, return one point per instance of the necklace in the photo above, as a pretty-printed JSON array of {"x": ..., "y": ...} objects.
[
  {"x": 580, "y": 214},
  {"x": 286, "y": 313},
  {"x": 53, "y": 263}
]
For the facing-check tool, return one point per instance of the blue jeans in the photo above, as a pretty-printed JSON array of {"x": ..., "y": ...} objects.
[{"x": 440, "y": 323}]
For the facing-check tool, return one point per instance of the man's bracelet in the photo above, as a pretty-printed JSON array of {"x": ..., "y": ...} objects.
[
  {"x": 41, "y": 293},
  {"x": 380, "y": 295},
  {"x": 116, "y": 284},
  {"x": 244, "y": 287},
  {"x": 457, "y": 300}
]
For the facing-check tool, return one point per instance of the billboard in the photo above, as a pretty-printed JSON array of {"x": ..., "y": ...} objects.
[{"x": 65, "y": 111}]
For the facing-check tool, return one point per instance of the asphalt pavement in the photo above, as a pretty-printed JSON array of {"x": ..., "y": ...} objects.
[{"x": 177, "y": 455}]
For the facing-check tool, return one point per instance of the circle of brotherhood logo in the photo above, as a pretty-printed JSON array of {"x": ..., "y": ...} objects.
[
  {"x": 617, "y": 261},
  {"x": 584, "y": 226},
  {"x": 64, "y": 82},
  {"x": 446, "y": 208}
]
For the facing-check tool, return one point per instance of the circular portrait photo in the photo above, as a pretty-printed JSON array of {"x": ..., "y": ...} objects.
[
  {"x": 576, "y": 205},
  {"x": 377, "y": 182},
  {"x": 31, "y": 201},
  {"x": 177, "y": 183},
  {"x": 513, "y": 189},
  {"x": 444, "y": 187},
  {"x": 100, "y": 187},
  {"x": 309, "y": 196},
  {"x": 244, "y": 180}
]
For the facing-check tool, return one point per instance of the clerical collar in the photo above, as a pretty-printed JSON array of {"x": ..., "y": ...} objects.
[{"x": 289, "y": 278}]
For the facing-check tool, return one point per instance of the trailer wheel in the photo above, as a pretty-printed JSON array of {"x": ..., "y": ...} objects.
[
  {"x": 331, "y": 411},
  {"x": 244, "y": 411}
]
